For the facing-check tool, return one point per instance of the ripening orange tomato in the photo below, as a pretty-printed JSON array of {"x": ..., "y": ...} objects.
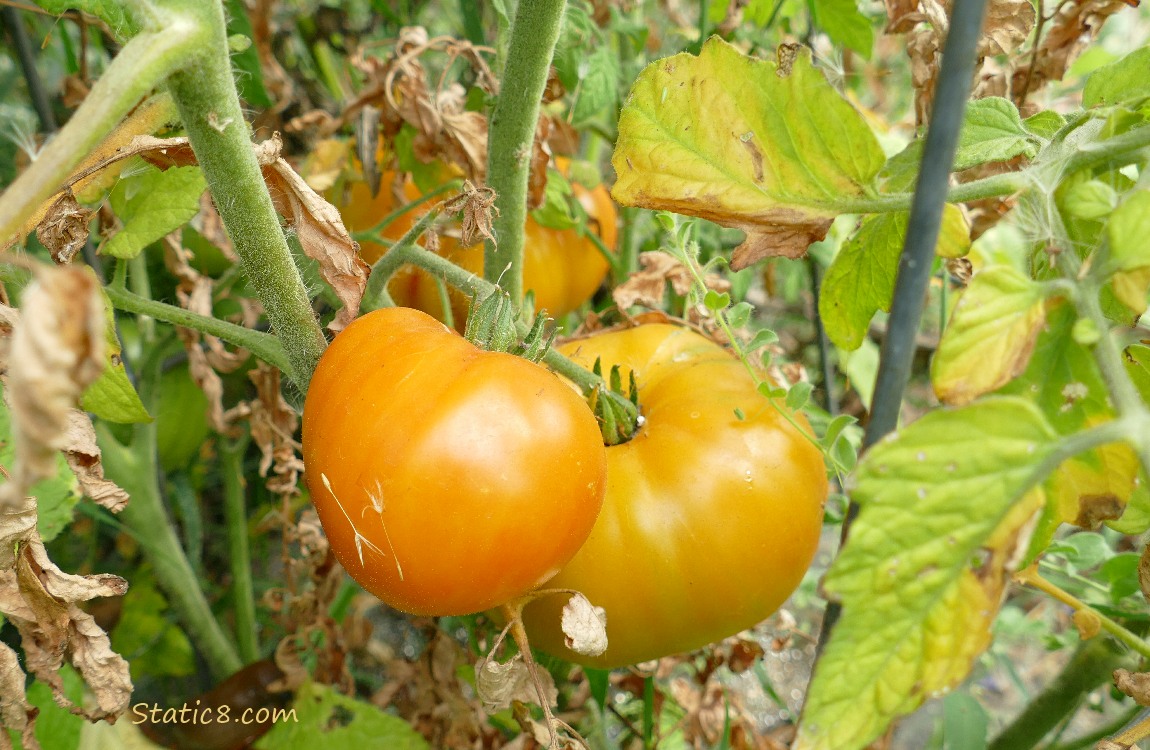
[
  {"x": 710, "y": 520},
  {"x": 448, "y": 479}
]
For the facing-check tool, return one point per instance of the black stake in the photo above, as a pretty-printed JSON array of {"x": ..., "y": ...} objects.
[
  {"x": 36, "y": 92},
  {"x": 951, "y": 93}
]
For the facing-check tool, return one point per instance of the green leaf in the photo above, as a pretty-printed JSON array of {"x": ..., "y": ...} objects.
[
  {"x": 965, "y": 723},
  {"x": 1129, "y": 252},
  {"x": 598, "y": 87},
  {"x": 763, "y": 337},
  {"x": 56, "y": 728},
  {"x": 798, "y": 395},
  {"x": 151, "y": 205},
  {"x": 738, "y": 141},
  {"x": 1121, "y": 572},
  {"x": 1127, "y": 230},
  {"x": 860, "y": 280},
  {"x": 327, "y": 718},
  {"x": 991, "y": 334},
  {"x": 1121, "y": 81},
  {"x": 1044, "y": 124},
  {"x": 56, "y": 497},
  {"x": 845, "y": 24},
  {"x": 1085, "y": 550},
  {"x": 943, "y": 504},
  {"x": 716, "y": 300},
  {"x": 992, "y": 131},
  {"x": 148, "y": 637},
  {"x": 558, "y": 204},
  {"x": 112, "y": 12},
  {"x": 112, "y": 396},
  {"x": 1092, "y": 199}
]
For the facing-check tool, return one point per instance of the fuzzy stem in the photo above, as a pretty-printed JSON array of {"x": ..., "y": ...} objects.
[
  {"x": 511, "y": 135},
  {"x": 239, "y": 554},
  {"x": 1126, "y": 399},
  {"x": 142, "y": 64},
  {"x": 262, "y": 345},
  {"x": 134, "y": 469},
  {"x": 206, "y": 97},
  {"x": 1090, "y": 667}
]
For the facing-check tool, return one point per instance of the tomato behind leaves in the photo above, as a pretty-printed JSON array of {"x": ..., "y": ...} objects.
[
  {"x": 448, "y": 479},
  {"x": 562, "y": 267},
  {"x": 710, "y": 521}
]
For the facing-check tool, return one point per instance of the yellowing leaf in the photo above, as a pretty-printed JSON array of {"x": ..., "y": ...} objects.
[
  {"x": 1130, "y": 288},
  {"x": 991, "y": 335},
  {"x": 745, "y": 143},
  {"x": 945, "y": 504},
  {"x": 1127, "y": 230},
  {"x": 1089, "y": 489},
  {"x": 954, "y": 234}
]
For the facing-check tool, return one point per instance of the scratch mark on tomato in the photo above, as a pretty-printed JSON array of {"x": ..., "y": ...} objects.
[{"x": 360, "y": 539}]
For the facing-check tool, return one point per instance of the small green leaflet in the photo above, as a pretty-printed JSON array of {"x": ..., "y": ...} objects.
[
  {"x": 112, "y": 12},
  {"x": 860, "y": 280},
  {"x": 992, "y": 131},
  {"x": 147, "y": 636},
  {"x": 56, "y": 497},
  {"x": 151, "y": 205},
  {"x": 112, "y": 396},
  {"x": 845, "y": 24},
  {"x": 1127, "y": 230},
  {"x": 1121, "y": 81},
  {"x": 949, "y": 492},
  {"x": 327, "y": 718},
  {"x": 745, "y": 143}
]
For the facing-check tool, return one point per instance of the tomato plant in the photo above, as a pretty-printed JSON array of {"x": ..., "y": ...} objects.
[
  {"x": 710, "y": 520},
  {"x": 562, "y": 268},
  {"x": 448, "y": 479}
]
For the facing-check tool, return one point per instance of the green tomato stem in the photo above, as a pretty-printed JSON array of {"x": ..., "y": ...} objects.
[
  {"x": 134, "y": 469},
  {"x": 511, "y": 135},
  {"x": 209, "y": 106},
  {"x": 142, "y": 64},
  {"x": 263, "y": 345},
  {"x": 1123, "y": 394},
  {"x": 406, "y": 251},
  {"x": 239, "y": 553},
  {"x": 1089, "y": 667}
]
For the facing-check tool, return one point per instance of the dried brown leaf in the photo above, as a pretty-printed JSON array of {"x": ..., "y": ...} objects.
[
  {"x": 273, "y": 424},
  {"x": 1006, "y": 26},
  {"x": 320, "y": 230},
  {"x": 646, "y": 286},
  {"x": 53, "y": 355},
  {"x": 64, "y": 229},
  {"x": 1074, "y": 26},
  {"x": 40, "y": 600},
  {"x": 83, "y": 457},
  {"x": 500, "y": 683},
  {"x": 1134, "y": 684},
  {"x": 477, "y": 204},
  {"x": 15, "y": 711},
  {"x": 585, "y": 626}
]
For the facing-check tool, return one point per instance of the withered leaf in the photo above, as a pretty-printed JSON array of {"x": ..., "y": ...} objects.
[
  {"x": 320, "y": 229},
  {"x": 500, "y": 683},
  {"x": 1134, "y": 684},
  {"x": 64, "y": 229},
  {"x": 585, "y": 626}
]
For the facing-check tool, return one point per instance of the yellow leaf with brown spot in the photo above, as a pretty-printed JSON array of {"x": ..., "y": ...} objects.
[
  {"x": 746, "y": 143},
  {"x": 991, "y": 335}
]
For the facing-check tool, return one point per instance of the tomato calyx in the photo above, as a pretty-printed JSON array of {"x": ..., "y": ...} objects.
[
  {"x": 491, "y": 326},
  {"x": 617, "y": 412}
]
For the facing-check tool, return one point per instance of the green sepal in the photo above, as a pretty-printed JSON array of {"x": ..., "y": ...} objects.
[
  {"x": 537, "y": 341},
  {"x": 491, "y": 325}
]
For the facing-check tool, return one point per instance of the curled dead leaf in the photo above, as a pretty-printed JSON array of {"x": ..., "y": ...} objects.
[
  {"x": 1134, "y": 684},
  {"x": 15, "y": 711},
  {"x": 64, "y": 229},
  {"x": 273, "y": 424},
  {"x": 319, "y": 228},
  {"x": 585, "y": 626},
  {"x": 500, "y": 683},
  {"x": 646, "y": 286},
  {"x": 477, "y": 205}
]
